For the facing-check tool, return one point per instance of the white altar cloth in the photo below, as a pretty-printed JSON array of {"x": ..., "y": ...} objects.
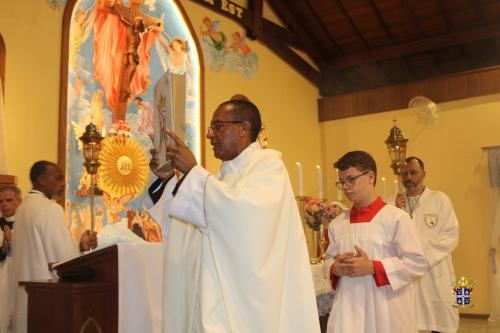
[
  {"x": 140, "y": 272},
  {"x": 322, "y": 288}
]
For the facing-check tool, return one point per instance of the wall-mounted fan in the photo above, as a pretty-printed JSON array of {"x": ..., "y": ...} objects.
[{"x": 426, "y": 109}]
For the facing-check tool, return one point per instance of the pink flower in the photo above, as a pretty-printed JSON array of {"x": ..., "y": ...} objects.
[{"x": 317, "y": 212}]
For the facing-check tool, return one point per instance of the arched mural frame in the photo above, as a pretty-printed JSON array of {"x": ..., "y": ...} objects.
[
  {"x": 2, "y": 63},
  {"x": 65, "y": 86}
]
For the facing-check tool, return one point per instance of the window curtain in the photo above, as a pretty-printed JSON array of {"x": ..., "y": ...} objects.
[{"x": 494, "y": 172}]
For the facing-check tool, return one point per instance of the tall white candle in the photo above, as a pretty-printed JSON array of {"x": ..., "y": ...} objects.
[
  {"x": 300, "y": 184},
  {"x": 396, "y": 187},
  {"x": 384, "y": 188},
  {"x": 319, "y": 178},
  {"x": 339, "y": 191}
]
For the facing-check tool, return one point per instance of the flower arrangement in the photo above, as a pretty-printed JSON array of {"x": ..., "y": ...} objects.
[{"x": 318, "y": 211}]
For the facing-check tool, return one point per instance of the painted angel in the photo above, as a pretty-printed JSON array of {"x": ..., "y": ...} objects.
[
  {"x": 115, "y": 205},
  {"x": 81, "y": 27}
]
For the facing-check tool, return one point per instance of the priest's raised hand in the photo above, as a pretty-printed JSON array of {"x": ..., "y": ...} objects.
[
  {"x": 154, "y": 165},
  {"x": 180, "y": 154}
]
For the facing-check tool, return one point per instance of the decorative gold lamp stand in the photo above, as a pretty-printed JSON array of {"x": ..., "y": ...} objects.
[
  {"x": 396, "y": 144},
  {"x": 91, "y": 149}
]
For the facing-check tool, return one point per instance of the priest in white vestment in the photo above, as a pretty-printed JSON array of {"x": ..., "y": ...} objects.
[
  {"x": 438, "y": 229},
  {"x": 41, "y": 235},
  {"x": 236, "y": 257},
  {"x": 376, "y": 257}
]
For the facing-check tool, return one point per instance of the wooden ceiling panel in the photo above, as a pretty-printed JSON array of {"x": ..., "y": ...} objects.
[
  {"x": 322, "y": 39},
  {"x": 434, "y": 26},
  {"x": 376, "y": 38},
  {"x": 364, "y": 44},
  {"x": 424, "y": 65},
  {"x": 404, "y": 33},
  {"x": 457, "y": 5},
  {"x": 325, "y": 7},
  {"x": 365, "y": 20},
  {"x": 342, "y": 32},
  {"x": 398, "y": 20},
  {"x": 319, "y": 28},
  {"x": 451, "y": 60},
  {"x": 424, "y": 9},
  {"x": 482, "y": 53},
  {"x": 397, "y": 70},
  {"x": 429, "y": 16},
  {"x": 369, "y": 76},
  {"x": 466, "y": 18},
  {"x": 490, "y": 11},
  {"x": 350, "y": 45}
]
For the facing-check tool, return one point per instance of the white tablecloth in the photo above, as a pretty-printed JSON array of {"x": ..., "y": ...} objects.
[
  {"x": 323, "y": 289},
  {"x": 140, "y": 279}
]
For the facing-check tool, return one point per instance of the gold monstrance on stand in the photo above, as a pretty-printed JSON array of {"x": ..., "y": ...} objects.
[
  {"x": 396, "y": 144},
  {"x": 91, "y": 148}
]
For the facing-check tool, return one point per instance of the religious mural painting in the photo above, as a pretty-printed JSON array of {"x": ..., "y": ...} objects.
[
  {"x": 133, "y": 71},
  {"x": 227, "y": 51}
]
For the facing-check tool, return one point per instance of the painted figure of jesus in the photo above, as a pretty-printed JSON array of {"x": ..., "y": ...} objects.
[{"x": 123, "y": 36}]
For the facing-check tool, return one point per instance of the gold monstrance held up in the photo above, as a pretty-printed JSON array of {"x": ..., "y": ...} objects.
[
  {"x": 91, "y": 148},
  {"x": 396, "y": 144}
]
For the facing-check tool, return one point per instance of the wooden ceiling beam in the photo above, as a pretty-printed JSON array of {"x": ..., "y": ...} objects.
[
  {"x": 270, "y": 28},
  {"x": 414, "y": 20},
  {"x": 323, "y": 28},
  {"x": 310, "y": 44},
  {"x": 257, "y": 18},
  {"x": 454, "y": 87},
  {"x": 381, "y": 21},
  {"x": 353, "y": 25},
  {"x": 293, "y": 59},
  {"x": 445, "y": 16},
  {"x": 423, "y": 45}
]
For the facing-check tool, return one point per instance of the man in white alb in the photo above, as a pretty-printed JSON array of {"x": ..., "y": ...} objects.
[
  {"x": 236, "y": 257},
  {"x": 41, "y": 235},
  {"x": 376, "y": 256},
  {"x": 437, "y": 228}
]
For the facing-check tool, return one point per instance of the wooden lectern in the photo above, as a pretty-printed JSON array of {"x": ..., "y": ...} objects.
[{"x": 77, "y": 307}]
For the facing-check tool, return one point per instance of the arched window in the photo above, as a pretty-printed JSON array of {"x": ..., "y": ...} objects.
[{"x": 133, "y": 70}]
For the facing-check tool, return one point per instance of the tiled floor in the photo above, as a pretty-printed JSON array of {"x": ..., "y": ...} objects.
[{"x": 469, "y": 325}]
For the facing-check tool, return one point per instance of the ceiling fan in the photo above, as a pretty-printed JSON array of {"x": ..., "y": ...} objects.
[{"x": 427, "y": 110}]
